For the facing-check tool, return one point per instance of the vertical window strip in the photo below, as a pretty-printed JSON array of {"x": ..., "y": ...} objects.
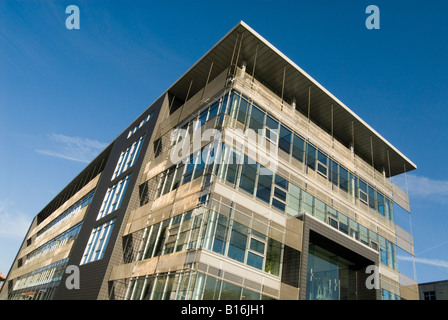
[
  {"x": 128, "y": 157},
  {"x": 113, "y": 198},
  {"x": 96, "y": 246}
]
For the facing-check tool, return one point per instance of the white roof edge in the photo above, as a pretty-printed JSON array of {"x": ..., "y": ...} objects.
[{"x": 322, "y": 88}]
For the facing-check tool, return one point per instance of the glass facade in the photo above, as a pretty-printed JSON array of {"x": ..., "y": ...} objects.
[
  {"x": 40, "y": 283},
  {"x": 329, "y": 276},
  {"x": 202, "y": 228},
  {"x": 247, "y": 175},
  {"x": 84, "y": 201},
  {"x": 189, "y": 286},
  {"x": 55, "y": 243},
  {"x": 290, "y": 142}
]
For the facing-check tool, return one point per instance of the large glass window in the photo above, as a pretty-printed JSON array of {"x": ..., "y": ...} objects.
[
  {"x": 256, "y": 119},
  {"x": 284, "y": 142},
  {"x": 238, "y": 242},
  {"x": 362, "y": 187},
  {"x": 264, "y": 185},
  {"x": 372, "y": 202},
  {"x": 271, "y": 129},
  {"x": 97, "y": 244},
  {"x": 248, "y": 175},
  {"x": 298, "y": 148},
  {"x": 232, "y": 167},
  {"x": 343, "y": 179},
  {"x": 322, "y": 163},
  {"x": 311, "y": 157},
  {"x": 243, "y": 110},
  {"x": 219, "y": 244},
  {"x": 280, "y": 193},
  {"x": 113, "y": 198},
  {"x": 128, "y": 157}
]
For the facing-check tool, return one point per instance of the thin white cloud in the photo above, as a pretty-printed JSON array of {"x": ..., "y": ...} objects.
[
  {"x": 432, "y": 262},
  {"x": 423, "y": 187},
  {"x": 72, "y": 148},
  {"x": 13, "y": 224}
]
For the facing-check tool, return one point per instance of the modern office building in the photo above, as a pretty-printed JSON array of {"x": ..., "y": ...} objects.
[{"x": 246, "y": 179}]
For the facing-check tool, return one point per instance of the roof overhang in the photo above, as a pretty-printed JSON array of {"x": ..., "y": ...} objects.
[{"x": 281, "y": 75}]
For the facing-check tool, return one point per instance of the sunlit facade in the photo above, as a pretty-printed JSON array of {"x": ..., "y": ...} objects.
[{"x": 245, "y": 180}]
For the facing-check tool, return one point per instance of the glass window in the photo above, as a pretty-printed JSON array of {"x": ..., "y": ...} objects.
[
  {"x": 160, "y": 241},
  {"x": 202, "y": 118},
  {"x": 248, "y": 175},
  {"x": 200, "y": 165},
  {"x": 272, "y": 129},
  {"x": 213, "y": 110},
  {"x": 232, "y": 168},
  {"x": 257, "y": 246},
  {"x": 243, "y": 110},
  {"x": 343, "y": 223},
  {"x": 97, "y": 244},
  {"x": 334, "y": 172},
  {"x": 311, "y": 157},
  {"x": 273, "y": 257},
  {"x": 157, "y": 147},
  {"x": 307, "y": 202},
  {"x": 188, "y": 170},
  {"x": 281, "y": 182},
  {"x": 383, "y": 251},
  {"x": 380, "y": 201},
  {"x": 149, "y": 249},
  {"x": 364, "y": 235},
  {"x": 211, "y": 288},
  {"x": 354, "y": 229},
  {"x": 254, "y": 260},
  {"x": 128, "y": 158},
  {"x": 219, "y": 244},
  {"x": 113, "y": 198},
  {"x": 362, "y": 187},
  {"x": 238, "y": 242},
  {"x": 232, "y": 108},
  {"x": 388, "y": 208},
  {"x": 319, "y": 209},
  {"x": 178, "y": 176},
  {"x": 343, "y": 178},
  {"x": 250, "y": 295},
  {"x": 230, "y": 291},
  {"x": 169, "y": 180},
  {"x": 285, "y": 140},
  {"x": 322, "y": 163},
  {"x": 293, "y": 201},
  {"x": 298, "y": 148},
  {"x": 264, "y": 185},
  {"x": 372, "y": 200},
  {"x": 279, "y": 196},
  {"x": 256, "y": 119}
]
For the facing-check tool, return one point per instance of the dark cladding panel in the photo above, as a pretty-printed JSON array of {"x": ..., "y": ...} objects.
[
  {"x": 291, "y": 264},
  {"x": 92, "y": 274}
]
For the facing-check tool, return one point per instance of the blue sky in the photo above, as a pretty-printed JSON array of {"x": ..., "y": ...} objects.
[{"x": 66, "y": 94}]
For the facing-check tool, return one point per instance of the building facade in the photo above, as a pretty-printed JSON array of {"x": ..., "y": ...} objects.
[
  {"x": 437, "y": 290},
  {"x": 246, "y": 179}
]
